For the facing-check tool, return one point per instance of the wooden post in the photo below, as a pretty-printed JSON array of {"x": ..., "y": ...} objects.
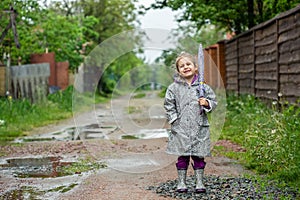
[
  {"x": 7, "y": 76},
  {"x": 277, "y": 61},
  {"x": 238, "y": 66},
  {"x": 2, "y": 80},
  {"x": 213, "y": 66},
  {"x": 221, "y": 60}
]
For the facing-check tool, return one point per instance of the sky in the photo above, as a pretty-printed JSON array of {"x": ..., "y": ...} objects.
[{"x": 157, "y": 19}]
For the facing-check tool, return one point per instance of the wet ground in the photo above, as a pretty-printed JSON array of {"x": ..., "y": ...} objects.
[{"x": 113, "y": 152}]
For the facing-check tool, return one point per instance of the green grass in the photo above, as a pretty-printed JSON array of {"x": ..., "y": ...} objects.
[
  {"x": 139, "y": 95},
  {"x": 270, "y": 134},
  {"x": 81, "y": 166},
  {"x": 162, "y": 92},
  {"x": 20, "y": 116},
  {"x": 133, "y": 109}
]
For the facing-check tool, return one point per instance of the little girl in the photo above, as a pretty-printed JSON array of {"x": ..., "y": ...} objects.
[{"x": 190, "y": 136}]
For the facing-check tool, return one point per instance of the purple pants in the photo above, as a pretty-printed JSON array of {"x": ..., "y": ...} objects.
[{"x": 183, "y": 162}]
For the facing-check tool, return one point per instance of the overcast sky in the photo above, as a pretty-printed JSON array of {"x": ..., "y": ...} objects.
[{"x": 159, "y": 18}]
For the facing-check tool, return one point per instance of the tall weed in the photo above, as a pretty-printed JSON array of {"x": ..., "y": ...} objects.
[
  {"x": 19, "y": 115},
  {"x": 270, "y": 135}
]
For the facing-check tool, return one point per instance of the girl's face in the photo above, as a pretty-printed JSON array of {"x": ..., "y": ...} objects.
[{"x": 186, "y": 68}]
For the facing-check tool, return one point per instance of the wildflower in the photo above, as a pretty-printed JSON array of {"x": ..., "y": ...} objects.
[
  {"x": 273, "y": 131},
  {"x": 274, "y": 102},
  {"x": 279, "y": 94},
  {"x": 2, "y": 122},
  {"x": 9, "y": 97}
]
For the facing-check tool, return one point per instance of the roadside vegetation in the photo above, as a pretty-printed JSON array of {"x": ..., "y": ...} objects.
[
  {"x": 270, "y": 135},
  {"x": 20, "y": 116}
]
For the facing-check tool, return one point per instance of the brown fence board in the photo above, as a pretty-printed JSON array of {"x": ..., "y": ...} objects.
[
  {"x": 231, "y": 62},
  {"x": 269, "y": 75},
  {"x": 290, "y": 45},
  {"x": 265, "y": 41},
  {"x": 266, "y": 67},
  {"x": 267, "y": 94},
  {"x": 286, "y": 23},
  {"x": 259, "y": 59},
  {"x": 266, "y": 49},
  {"x": 266, "y": 84},
  {"x": 290, "y": 89},
  {"x": 230, "y": 54},
  {"x": 266, "y": 31},
  {"x": 246, "y": 59},
  {"x": 290, "y": 68},
  {"x": 291, "y": 78},
  {"x": 289, "y": 57},
  {"x": 246, "y": 68},
  {"x": 291, "y": 34}
]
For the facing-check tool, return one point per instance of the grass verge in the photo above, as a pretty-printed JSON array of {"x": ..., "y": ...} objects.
[
  {"x": 20, "y": 116},
  {"x": 270, "y": 135}
]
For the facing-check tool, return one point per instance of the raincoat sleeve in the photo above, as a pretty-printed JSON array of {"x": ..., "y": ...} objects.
[
  {"x": 211, "y": 98},
  {"x": 170, "y": 106}
]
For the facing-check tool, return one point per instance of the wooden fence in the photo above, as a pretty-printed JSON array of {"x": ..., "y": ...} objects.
[
  {"x": 30, "y": 81},
  {"x": 265, "y": 61}
]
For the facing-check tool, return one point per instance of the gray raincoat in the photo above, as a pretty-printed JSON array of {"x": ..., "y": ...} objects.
[{"x": 190, "y": 133}]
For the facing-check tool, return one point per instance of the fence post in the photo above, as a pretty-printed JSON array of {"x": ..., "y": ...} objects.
[
  {"x": 221, "y": 60},
  {"x": 212, "y": 50},
  {"x": 254, "y": 63},
  {"x": 277, "y": 60},
  {"x": 238, "y": 65},
  {"x": 7, "y": 74}
]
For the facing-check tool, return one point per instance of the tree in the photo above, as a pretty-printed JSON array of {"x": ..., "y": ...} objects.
[
  {"x": 235, "y": 15},
  {"x": 117, "y": 69},
  {"x": 71, "y": 29},
  {"x": 25, "y": 15},
  {"x": 114, "y": 16},
  {"x": 40, "y": 28},
  {"x": 188, "y": 40}
]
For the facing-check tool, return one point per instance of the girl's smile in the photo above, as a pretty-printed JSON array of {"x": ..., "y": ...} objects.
[{"x": 186, "y": 69}]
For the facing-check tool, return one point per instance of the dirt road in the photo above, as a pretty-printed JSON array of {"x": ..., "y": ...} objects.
[{"x": 132, "y": 164}]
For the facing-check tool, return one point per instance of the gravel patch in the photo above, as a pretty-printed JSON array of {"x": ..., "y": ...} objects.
[{"x": 225, "y": 188}]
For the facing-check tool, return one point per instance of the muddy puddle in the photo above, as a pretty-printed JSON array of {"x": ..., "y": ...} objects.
[
  {"x": 147, "y": 134},
  {"x": 43, "y": 177},
  {"x": 90, "y": 131}
]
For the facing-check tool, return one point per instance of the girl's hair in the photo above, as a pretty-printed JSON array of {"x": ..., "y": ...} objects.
[{"x": 187, "y": 56}]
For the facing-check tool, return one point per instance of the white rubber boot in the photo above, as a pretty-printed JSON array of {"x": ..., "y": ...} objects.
[
  {"x": 181, "y": 187},
  {"x": 200, "y": 188}
]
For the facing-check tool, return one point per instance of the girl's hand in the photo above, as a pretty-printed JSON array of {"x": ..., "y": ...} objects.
[{"x": 203, "y": 102}]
